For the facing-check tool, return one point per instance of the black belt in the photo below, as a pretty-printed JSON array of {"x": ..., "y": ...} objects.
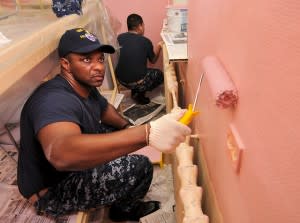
[{"x": 132, "y": 84}]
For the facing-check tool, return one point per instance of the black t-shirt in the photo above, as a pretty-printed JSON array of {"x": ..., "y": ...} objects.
[
  {"x": 134, "y": 52},
  {"x": 53, "y": 101}
]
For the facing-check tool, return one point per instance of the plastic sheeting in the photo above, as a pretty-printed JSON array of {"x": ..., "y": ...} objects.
[{"x": 30, "y": 57}]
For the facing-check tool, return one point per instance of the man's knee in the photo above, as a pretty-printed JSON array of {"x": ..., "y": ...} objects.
[
  {"x": 143, "y": 164},
  {"x": 146, "y": 162}
]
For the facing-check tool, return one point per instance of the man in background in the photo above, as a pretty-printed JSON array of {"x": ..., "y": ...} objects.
[{"x": 135, "y": 51}]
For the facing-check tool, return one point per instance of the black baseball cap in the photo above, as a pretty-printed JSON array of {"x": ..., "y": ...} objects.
[{"x": 79, "y": 40}]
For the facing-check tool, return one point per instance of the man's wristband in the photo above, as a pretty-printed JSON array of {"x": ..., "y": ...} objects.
[{"x": 147, "y": 129}]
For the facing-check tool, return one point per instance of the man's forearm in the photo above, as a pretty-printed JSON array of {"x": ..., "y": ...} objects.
[
  {"x": 83, "y": 151},
  {"x": 156, "y": 52}
]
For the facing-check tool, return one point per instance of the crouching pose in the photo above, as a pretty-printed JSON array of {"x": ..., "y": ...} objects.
[{"x": 75, "y": 145}]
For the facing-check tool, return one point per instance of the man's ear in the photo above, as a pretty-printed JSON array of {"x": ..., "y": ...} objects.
[
  {"x": 65, "y": 64},
  {"x": 141, "y": 29}
]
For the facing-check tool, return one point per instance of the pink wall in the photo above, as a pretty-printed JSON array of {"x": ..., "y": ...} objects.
[
  {"x": 153, "y": 13},
  {"x": 258, "y": 42}
]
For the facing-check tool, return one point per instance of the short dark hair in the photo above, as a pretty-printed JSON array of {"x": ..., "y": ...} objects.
[{"x": 133, "y": 21}]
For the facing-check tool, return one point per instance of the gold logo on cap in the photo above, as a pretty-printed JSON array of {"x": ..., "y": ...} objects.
[{"x": 80, "y": 30}]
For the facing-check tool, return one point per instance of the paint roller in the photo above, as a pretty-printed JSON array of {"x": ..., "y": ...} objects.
[{"x": 222, "y": 88}]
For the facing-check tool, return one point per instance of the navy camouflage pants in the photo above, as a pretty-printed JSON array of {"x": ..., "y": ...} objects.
[
  {"x": 121, "y": 182},
  {"x": 153, "y": 78}
]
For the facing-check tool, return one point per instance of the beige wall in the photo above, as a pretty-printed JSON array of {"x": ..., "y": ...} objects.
[{"x": 258, "y": 42}]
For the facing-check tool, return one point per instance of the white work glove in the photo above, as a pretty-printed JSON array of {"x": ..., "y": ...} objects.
[{"x": 166, "y": 133}]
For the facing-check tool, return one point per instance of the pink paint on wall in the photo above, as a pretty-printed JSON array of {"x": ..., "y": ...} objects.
[
  {"x": 258, "y": 42},
  {"x": 153, "y": 13}
]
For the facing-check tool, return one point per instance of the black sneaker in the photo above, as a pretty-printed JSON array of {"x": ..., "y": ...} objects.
[
  {"x": 140, "y": 98},
  {"x": 134, "y": 93},
  {"x": 140, "y": 209}
]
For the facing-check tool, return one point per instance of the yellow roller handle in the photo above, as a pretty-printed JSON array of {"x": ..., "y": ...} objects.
[{"x": 188, "y": 115}]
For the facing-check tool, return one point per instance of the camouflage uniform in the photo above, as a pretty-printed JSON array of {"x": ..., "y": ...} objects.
[
  {"x": 152, "y": 79},
  {"x": 121, "y": 181}
]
